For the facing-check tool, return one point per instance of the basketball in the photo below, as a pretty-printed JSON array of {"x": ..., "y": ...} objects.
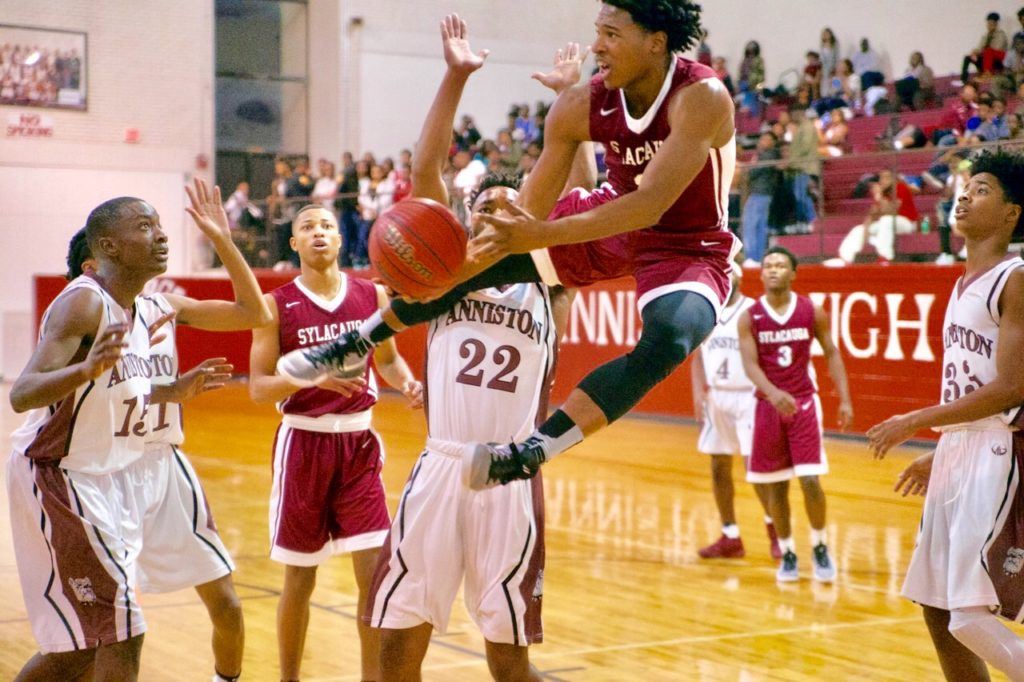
[{"x": 417, "y": 246}]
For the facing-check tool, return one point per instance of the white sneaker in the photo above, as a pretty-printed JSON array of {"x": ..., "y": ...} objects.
[
  {"x": 963, "y": 253},
  {"x": 345, "y": 357},
  {"x": 945, "y": 259},
  {"x": 834, "y": 263},
  {"x": 789, "y": 571}
]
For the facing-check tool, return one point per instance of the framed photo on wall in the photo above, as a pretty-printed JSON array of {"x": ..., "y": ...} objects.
[{"x": 41, "y": 67}]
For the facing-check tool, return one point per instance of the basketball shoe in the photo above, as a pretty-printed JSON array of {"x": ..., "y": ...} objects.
[
  {"x": 345, "y": 357},
  {"x": 485, "y": 465},
  {"x": 723, "y": 548},
  {"x": 773, "y": 538},
  {"x": 788, "y": 570},
  {"x": 824, "y": 569}
]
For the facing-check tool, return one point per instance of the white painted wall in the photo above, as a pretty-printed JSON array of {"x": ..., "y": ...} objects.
[{"x": 150, "y": 67}]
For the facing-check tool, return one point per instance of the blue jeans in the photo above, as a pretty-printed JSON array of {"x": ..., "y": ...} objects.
[
  {"x": 805, "y": 212},
  {"x": 350, "y": 221},
  {"x": 755, "y": 225}
]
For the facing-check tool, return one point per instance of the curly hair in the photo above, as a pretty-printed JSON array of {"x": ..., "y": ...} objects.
[
  {"x": 78, "y": 253},
  {"x": 678, "y": 19},
  {"x": 1007, "y": 168},
  {"x": 495, "y": 179}
]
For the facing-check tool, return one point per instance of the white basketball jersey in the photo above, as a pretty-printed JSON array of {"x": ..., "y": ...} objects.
[
  {"x": 102, "y": 426},
  {"x": 720, "y": 352},
  {"x": 970, "y": 337},
  {"x": 489, "y": 365},
  {"x": 165, "y": 421}
]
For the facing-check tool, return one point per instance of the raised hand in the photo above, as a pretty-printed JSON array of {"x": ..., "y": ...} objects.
[
  {"x": 106, "y": 350},
  {"x": 207, "y": 210},
  {"x": 568, "y": 64},
  {"x": 457, "y": 52},
  {"x": 208, "y": 375}
]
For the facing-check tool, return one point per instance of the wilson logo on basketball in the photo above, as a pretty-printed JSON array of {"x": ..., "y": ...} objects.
[{"x": 405, "y": 253}]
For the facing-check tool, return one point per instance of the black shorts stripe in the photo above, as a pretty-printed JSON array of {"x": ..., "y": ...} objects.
[
  {"x": 401, "y": 534},
  {"x": 74, "y": 417},
  {"x": 53, "y": 564},
  {"x": 505, "y": 582},
  {"x": 195, "y": 508},
  {"x": 1002, "y": 505},
  {"x": 120, "y": 568}
]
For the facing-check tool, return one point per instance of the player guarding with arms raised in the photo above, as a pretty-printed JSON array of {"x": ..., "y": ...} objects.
[
  {"x": 723, "y": 396},
  {"x": 490, "y": 363},
  {"x": 667, "y": 127},
  {"x": 327, "y": 496},
  {"x": 776, "y": 334},
  {"x": 968, "y": 560}
]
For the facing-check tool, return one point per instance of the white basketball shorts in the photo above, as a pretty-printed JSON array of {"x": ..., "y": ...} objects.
[
  {"x": 180, "y": 544},
  {"x": 972, "y": 481},
  {"x": 443, "y": 533},
  {"x": 728, "y": 427}
]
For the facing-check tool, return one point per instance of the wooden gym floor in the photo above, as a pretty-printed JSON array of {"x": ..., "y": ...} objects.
[{"x": 625, "y": 596}]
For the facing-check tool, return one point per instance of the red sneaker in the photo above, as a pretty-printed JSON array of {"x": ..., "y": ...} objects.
[
  {"x": 723, "y": 548},
  {"x": 773, "y": 538}
]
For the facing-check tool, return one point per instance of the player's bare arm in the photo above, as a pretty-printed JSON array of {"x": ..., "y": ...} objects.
[
  {"x": 436, "y": 134},
  {"x": 248, "y": 310},
  {"x": 561, "y": 306},
  {"x": 781, "y": 400},
  {"x": 208, "y": 375},
  {"x": 1006, "y": 392},
  {"x": 914, "y": 479},
  {"x": 68, "y": 355},
  {"x": 836, "y": 368},
  {"x": 393, "y": 367},
  {"x": 700, "y": 116}
]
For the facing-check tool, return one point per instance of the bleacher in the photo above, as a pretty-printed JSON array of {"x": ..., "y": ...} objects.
[{"x": 840, "y": 176}]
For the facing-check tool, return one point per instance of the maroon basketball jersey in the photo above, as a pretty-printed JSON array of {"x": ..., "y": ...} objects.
[
  {"x": 306, "y": 320},
  {"x": 784, "y": 344},
  {"x": 700, "y": 212}
]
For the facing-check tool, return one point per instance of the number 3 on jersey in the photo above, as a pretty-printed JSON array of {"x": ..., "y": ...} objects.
[{"x": 785, "y": 356}]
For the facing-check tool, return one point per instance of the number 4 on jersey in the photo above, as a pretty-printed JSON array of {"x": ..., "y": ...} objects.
[{"x": 723, "y": 370}]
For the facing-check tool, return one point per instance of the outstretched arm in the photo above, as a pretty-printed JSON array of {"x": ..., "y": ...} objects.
[
  {"x": 698, "y": 115},
  {"x": 836, "y": 368},
  {"x": 1005, "y": 392},
  {"x": 436, "y": 135},
  {"x": 248, "y": 310},
  {"x": 392, "y": 366}
]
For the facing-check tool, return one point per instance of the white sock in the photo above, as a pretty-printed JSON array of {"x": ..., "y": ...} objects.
[
  {"x": 787, "y": 545},
  {"x": 768, "y": 520},
  {"x": 371, "y": 323},
  {"x": 819, "y": 537},
  {"x": 553, "y": 445},
  {"x": 982, "y": 633},
  {"x": 732, "y": 531}
]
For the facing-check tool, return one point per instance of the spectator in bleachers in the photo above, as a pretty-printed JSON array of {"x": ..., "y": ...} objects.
[
  {"x": 751, "y": 77},
  {"x": 526, "y": 124},
  {"x": 326, "y": 185},
  {"x": 954, "y": 122},
  {"x": 832, "y": 130},
  {"x": 718, "y": 64},
  {"x": 1012, "y": 76},
  {"x": 348, "y": 209},
  {"x": 845, "y": 88},
  {"x": 892, "y": 213},
  {"x": 805, "y": 162},
  {"x": 945, "y": 217},
  {"x": 511, "y": 149},
  {"x": 988, "y": 56},
  {"x": 829, "y": 51},
  {"x": 812, "y": 73},
  {"x": 704, "y": 50},
  {"x": 237, "y": 205},
  {"x": 466, "y": 136},
  {"x": 990, "y": 126},
  {"x": 917, "y": 84},
  {"x": 867, "y": 65},
  {"x": 762, "y": 181},
  {"x": 1020, "y": 18}
]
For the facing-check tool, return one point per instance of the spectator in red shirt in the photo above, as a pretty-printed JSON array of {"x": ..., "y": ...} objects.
[
  {"x": 893, "y": 213},
  {"x": 812, "y": 73},
  {"x": 954, "y": 121}
]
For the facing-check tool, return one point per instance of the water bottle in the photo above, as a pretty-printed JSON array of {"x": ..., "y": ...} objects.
[{"x": 926, "y": 225}]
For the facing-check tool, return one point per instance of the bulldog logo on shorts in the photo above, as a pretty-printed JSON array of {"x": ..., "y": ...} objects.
[
  {"x": 538, "y": 589},
  {"x": 82, "y": 587},
  {"x": 1014, "y": 561},
  {"x": 998, "y": 450}
]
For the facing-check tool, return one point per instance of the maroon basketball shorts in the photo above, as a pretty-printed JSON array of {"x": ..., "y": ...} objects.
[
  {"x": 661, "y": 263},
  {"x": 327, "y": 495},
  {"x": 787, "y": 447}
]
